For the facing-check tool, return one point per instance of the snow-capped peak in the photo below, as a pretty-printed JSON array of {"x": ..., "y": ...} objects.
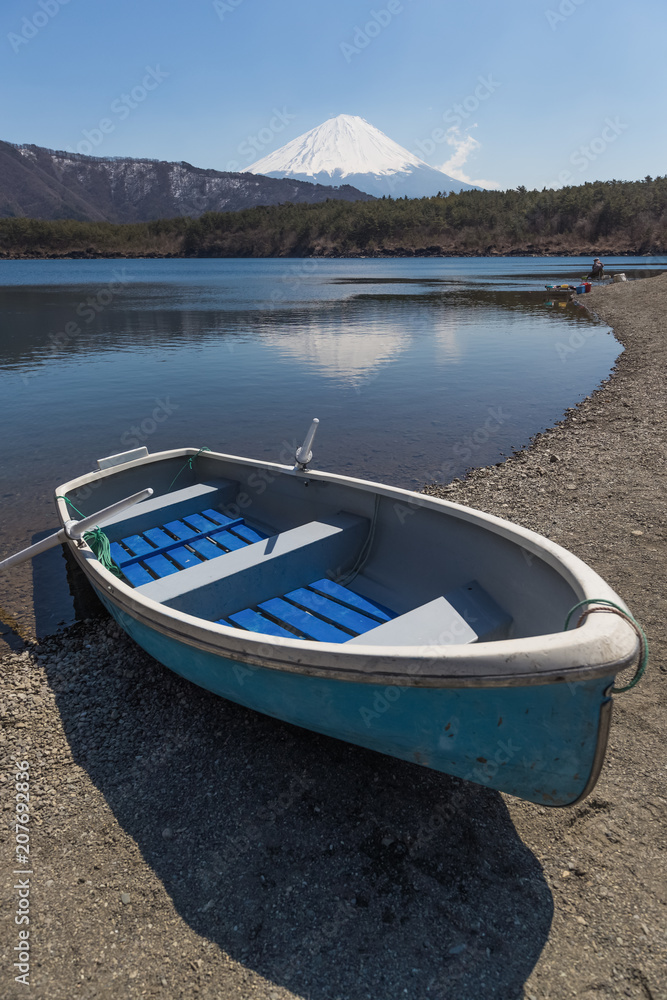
[
  {"x": 348, "y": 149},
  {"x": 347, "y": 143}
]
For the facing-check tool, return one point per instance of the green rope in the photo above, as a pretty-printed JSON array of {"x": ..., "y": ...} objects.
[
  {"x": 98, "y": 542},
  {"x": 71, "y": 505},
  {"x": 100, "y": 545},
  {"x": 616, "y": 609},
  {"x": 187, "y": 464}
]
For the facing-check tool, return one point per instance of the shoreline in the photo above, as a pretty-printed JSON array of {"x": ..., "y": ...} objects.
[
  {"x": 556, "y": 902},
  {"x": 385, "y": 254}
]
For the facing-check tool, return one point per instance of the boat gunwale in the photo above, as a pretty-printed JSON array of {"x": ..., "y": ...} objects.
[{"x": 542, "y": 659}]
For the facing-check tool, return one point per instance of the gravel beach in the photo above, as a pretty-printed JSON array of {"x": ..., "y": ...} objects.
[{"x": 182, "y": 846}]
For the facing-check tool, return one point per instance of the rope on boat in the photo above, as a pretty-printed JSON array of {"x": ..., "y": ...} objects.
[
  {"x": 615, "y": 609},
  {"x": 100, "y": 545},
  {"x": 98, "y": 542},
  {"x": 365, "y": 552},
  {"x": 188, "y": 464}
]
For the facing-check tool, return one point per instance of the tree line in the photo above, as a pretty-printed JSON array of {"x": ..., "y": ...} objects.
[{"x": 626, "y": 216}]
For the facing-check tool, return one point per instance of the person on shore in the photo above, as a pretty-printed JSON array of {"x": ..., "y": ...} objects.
[{"x": 597, "y": 270}]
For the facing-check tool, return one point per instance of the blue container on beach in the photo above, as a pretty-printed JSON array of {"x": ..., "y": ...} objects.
[{"x": 580, "y": 289}]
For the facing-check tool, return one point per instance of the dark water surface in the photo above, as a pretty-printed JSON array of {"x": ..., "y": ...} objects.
[{"x": 417, "y": 369}]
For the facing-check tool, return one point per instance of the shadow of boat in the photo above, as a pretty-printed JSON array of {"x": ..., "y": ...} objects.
[{"x": 327, "y": 869}]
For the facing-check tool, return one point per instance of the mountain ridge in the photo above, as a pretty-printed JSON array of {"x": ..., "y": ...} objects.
[{"x": 42, "y": 183}]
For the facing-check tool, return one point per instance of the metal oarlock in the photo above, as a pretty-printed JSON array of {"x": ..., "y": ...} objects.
[{"x": 304, "y": 454}]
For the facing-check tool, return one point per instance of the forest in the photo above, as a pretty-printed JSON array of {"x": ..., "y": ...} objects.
[{"x": 623, "y": 217}]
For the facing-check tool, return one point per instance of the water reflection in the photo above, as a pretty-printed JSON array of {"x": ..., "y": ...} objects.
[{"x": 344, "y": 354}]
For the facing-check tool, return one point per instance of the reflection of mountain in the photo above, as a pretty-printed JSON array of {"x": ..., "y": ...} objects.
[
  {"x": 446, "y": 340},
  {"x": 348, "y": 355}
]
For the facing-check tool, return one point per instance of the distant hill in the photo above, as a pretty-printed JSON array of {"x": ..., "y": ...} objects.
[{"x": 42, "y": 183}]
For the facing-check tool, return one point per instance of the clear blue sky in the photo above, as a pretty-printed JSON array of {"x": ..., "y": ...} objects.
[{"x": 574, "y": 89}]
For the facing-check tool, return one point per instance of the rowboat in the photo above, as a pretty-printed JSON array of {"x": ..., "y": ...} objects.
[{"x": 393, "y": 620}]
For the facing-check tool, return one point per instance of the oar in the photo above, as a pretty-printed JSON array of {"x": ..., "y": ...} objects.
[{"x": 74, "y": 529}]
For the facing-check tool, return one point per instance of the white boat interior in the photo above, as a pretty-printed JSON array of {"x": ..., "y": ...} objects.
[{"x": 306, "y": 555}]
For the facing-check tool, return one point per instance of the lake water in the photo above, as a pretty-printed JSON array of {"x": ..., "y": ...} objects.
[{"x": 417, "y": 369}]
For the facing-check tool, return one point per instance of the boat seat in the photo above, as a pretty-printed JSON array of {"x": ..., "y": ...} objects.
[
  {"x": 157, "y": 510},
  {"x": 257, "y": 572},
  {"x": 468, "y": 614}
]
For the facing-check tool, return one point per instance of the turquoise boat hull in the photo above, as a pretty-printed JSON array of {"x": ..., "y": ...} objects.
[{"x": 544, "y": 743}]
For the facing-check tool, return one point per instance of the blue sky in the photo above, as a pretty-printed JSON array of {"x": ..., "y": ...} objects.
[{"x": 548, "y": 91}]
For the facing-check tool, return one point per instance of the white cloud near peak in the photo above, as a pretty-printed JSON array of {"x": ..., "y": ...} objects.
[{"x": 463, "y": 145}]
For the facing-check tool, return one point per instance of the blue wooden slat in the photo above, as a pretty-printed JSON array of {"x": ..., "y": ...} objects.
[
  {"x": 254, "y": 622},
  {"x": 160, "y": 565},
  {"x": 118, "y": 554},
  {"x": 178, "y": 553},
  {"x": 309, "y": 625},
  {"x": 331, "y": 589},
  {"x": 137, "y": 575},
  {"x": 223, "y": 519},
  {"x": 158, "y": 537},
  {"x": 194, "y": 538},
  {"x": 142, "y": 549},
  {"x": 138, "y": 545},
  {"x": 230, "y": 541},
  {"x": 336, "y": 613},
  {"x": 209, "y": 524},
  {"x": 207, "y": 549},
  {"x": 182, "y": 530},
  {"x": 250, "y": 534}
]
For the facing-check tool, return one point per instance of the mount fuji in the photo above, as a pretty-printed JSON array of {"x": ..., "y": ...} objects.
[{"x": 348, "y": 150}]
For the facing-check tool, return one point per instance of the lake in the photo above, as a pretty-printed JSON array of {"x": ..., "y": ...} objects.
[{"x": 417, "y": 369}]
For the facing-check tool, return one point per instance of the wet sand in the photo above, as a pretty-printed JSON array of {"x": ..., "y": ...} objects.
[{"x": 183, "y": 846}]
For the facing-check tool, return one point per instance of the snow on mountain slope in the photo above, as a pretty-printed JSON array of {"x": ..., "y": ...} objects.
[
  {"x": 348, "y": 150},
  {"x": 46, "y": 184}
]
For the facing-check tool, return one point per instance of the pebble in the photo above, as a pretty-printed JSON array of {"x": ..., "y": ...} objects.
[{"x": 125, "y": 897}]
